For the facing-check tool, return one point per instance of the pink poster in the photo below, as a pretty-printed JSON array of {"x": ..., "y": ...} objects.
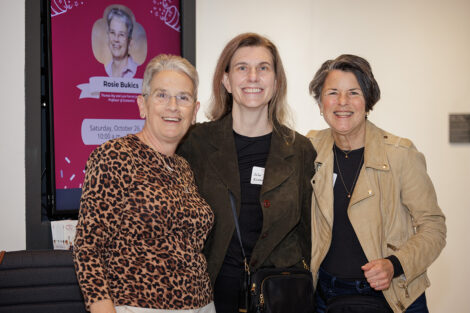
[{"x": 99, "y": 52}]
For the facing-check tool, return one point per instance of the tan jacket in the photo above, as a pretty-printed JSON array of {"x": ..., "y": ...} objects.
[{"x": 393, "y": 209}]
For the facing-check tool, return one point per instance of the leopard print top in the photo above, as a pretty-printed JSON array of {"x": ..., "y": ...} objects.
[{"x": 141, "y": 229}]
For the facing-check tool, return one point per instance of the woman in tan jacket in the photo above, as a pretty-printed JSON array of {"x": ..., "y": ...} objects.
[{"x": 376, "y": 224}]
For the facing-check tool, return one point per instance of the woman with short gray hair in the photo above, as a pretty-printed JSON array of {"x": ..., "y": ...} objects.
[
  {"x": 120, "y": 28},
  {"x": 142, "y": 223}
]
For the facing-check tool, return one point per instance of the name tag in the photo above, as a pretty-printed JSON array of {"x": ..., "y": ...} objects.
[
  {"x": 334, "y": 178},
  {"x": 257, "y": 175}
]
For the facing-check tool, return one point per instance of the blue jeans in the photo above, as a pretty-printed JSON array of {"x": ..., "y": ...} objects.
[{"x": 330, "y": 286}]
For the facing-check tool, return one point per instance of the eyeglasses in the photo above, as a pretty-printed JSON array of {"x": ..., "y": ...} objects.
[{"x": 163, "y": 98}]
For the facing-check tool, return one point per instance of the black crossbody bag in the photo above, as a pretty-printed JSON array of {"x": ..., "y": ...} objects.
[{"x": 274, "y": 290}]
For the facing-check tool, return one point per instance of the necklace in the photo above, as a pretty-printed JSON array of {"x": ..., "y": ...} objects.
[
  {"x": 166, "y": 166},
  {"x": 346, "y": 153},
  {"x": 175, "y": 170},
  {"x": 341, "y": 175},
  {"x": 172, "y": 169},
  {"x": 159, "y": 154}
]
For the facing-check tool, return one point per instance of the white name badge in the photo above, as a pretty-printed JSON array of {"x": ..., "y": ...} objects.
[
  {"x": 334, "y": 178},
  {"x": 257, "y": 175}
]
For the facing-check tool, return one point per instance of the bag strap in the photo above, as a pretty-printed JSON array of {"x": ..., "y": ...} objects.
[{"x": 237, "y": 226}]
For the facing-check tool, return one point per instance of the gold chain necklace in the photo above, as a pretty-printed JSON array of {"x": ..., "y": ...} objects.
[
  {"x": 175, "y": 171},
  {"x": 341, "y": 175},
  {"x": 346, "y": 153},
  {"x": 159, "y": 154}
]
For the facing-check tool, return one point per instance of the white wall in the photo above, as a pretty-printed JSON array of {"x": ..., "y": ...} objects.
[
  {"x": 12, "y": 126},
  {"x": 419, "y": 53}
]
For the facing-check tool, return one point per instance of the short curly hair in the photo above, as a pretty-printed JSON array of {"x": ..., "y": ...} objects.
[
  {"x": 123, "y": 16},
  {"x": 168, "y": 62}
]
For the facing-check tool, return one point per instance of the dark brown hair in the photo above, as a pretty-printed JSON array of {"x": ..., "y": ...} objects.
[{"x": 353, "y": 64}]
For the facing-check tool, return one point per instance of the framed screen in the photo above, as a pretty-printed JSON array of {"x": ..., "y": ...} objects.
[{"x": 98, "y": 53}]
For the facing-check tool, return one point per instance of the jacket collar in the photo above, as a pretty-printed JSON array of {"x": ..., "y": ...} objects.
[
  {"x": 374, "y": 152},
  {"x": 374, "y": 157},
  {"x": 278, "y": 166},
  {"x": 224, "y": 160}
]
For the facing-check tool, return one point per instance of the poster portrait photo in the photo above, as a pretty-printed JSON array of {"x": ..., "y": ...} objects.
[{"x": 119, "y": 42}]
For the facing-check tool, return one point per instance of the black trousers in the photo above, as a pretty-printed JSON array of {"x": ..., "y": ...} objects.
[{"x": 226, "y": 294}]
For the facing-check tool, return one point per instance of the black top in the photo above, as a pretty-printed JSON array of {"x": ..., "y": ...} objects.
[
  {"x": 345, "y": 244},
  {"x": 252, "y": 152},
  {"x": 345, "y": 257}
]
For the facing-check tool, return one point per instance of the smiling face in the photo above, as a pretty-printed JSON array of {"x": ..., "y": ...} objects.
[
  {"x": 343, "y": 106},
  {"x": 251, "y": 78},
  {"x": 118, "y": 38},
  {"x": 167, "y": 123}
]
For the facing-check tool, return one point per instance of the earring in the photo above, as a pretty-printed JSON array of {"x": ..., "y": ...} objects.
[
  {"x": 321, "y": 113},
  {"x": 142, "y": 115}
]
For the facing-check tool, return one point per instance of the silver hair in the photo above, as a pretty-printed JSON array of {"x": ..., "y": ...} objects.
[
  {"x": 167, "y": 62},
  {"x": 122, "y": 15}
]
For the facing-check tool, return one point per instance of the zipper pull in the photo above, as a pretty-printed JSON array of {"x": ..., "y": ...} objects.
[{"x": 305, "y": 264}]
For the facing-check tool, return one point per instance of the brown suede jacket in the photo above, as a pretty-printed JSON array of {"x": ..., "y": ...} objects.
[{"x": 285, "y": 195}]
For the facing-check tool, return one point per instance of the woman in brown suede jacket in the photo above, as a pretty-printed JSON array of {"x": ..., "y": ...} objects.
[{"x": 248, "y": 151}]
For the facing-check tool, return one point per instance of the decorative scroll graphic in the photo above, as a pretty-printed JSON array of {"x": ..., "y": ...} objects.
[
  {"x": 61, "y": 6},
  {"x": 167, "y": 12},
  {"x": 99, "y": 84}
]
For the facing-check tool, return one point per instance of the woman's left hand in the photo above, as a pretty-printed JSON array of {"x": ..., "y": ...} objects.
[{"x": 379, "y": 273}]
